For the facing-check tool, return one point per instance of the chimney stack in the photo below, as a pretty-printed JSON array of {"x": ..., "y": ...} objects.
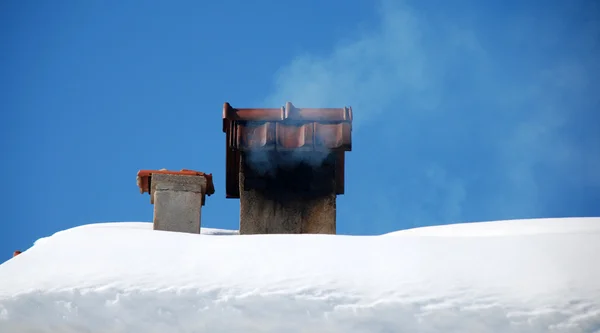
[
  {"x": 286, "y": 166},
  {"x": 178, "y": 197}
]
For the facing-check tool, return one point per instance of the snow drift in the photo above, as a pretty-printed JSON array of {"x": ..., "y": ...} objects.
[{"x": 505, "y": 276}]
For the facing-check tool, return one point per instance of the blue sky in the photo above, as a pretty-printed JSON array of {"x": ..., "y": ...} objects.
[{"x": 469, "y": 111}]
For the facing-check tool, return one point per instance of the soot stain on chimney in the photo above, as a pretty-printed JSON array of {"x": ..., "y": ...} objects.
[
  {"x": 289, "y": 193},
  {"x": 286, "y": 173}
]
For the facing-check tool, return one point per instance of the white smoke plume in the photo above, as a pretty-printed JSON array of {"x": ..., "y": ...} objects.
[{"x": 463, "y": 117}]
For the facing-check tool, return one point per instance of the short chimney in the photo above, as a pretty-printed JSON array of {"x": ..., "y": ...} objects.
[{"x": 178, "y": 197}]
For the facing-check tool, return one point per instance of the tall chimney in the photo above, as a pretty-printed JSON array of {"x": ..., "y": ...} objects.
[{"x": 286, "y": 166}]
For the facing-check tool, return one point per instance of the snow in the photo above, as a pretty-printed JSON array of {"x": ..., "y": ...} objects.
[{"x": 505, "y": 276}]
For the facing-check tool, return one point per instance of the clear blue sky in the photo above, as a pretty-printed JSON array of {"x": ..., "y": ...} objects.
[{"x": 464, "y": 110}]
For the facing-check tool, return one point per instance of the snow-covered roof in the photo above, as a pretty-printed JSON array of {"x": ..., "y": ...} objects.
[{"x": 505, "y": 276}]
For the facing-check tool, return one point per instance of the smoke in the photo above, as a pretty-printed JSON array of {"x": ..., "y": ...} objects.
[
  {"x": 267, "y": 162},
  {"x": 461, "y": 116}
]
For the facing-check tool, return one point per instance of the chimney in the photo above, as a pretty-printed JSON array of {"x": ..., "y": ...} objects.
[
  {"x": 178, "y": 197},
  {"x": 286, "y": 166}
]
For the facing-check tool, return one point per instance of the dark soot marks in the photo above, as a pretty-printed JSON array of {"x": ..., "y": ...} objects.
[{"x": 291, "y": 176}]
